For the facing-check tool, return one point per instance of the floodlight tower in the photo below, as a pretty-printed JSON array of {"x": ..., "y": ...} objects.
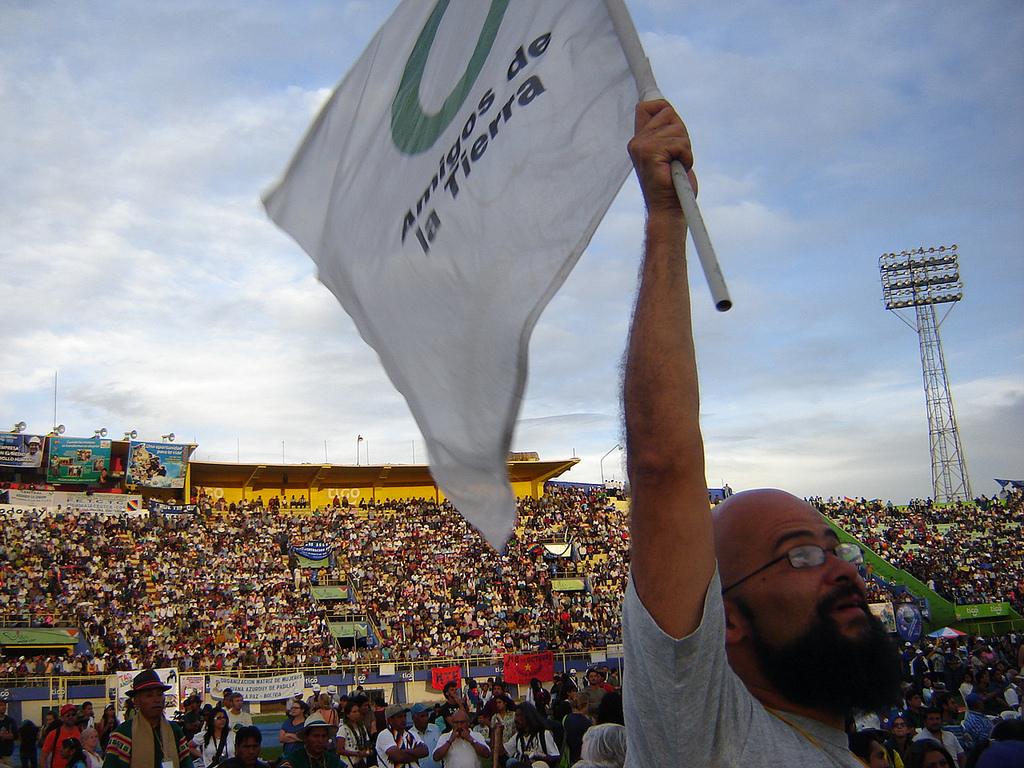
[{"x": 921, "y": 279}]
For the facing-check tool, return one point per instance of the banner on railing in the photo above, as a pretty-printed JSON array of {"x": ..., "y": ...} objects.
[
  {"x": 520, "y": 668},
  {"x": 982, "y": 611},
  {"x": 441, "y": 676},
  {"x": 38, "y": 636},
  {"x": 258, "y": 688},
  {"x": 168, "y": 676},
  {"x": 173, "y": 509},
  {"x": 100, "y": 503},
  {"x": 192, "y": 685}
]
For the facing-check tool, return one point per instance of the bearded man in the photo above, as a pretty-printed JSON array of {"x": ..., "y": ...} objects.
[{"x": 747, "y": 634}]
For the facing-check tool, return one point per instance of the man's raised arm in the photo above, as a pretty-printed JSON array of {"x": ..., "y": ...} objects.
[{"x": 672, "y": 552}]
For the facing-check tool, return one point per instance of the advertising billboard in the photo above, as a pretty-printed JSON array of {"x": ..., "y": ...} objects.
[
  {"x": 21, "y": 451},
  {"x": 157, "y": 465},
  {"x": 78, "y": 460}
]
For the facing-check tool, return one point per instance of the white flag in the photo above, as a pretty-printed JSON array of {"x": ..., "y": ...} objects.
[{"x": 445, "y": 192}]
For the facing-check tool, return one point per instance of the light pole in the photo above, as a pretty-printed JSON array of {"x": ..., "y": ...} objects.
[
  {"x": 359, "y": 439},
  {"x": 617, "y": 447},
  {"x": 920, "y": 279}
]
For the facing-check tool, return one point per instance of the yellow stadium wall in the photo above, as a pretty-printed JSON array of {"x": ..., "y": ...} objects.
[{"x": 323, "y": 497}]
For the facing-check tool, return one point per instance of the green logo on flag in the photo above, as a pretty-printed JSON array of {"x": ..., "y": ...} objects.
[{"x": 412, "y": 129}]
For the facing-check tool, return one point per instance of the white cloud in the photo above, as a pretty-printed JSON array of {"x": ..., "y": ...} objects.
[{"x": 136, "y": 259}]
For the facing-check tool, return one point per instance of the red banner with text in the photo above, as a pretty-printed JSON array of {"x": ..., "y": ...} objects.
[
  {"x": 441, "y": 675},
  {"x": 521, "y": 667}
]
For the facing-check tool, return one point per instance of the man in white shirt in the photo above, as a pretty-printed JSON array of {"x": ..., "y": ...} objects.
[
  {"x": 396, "y": 745},
  {"x": 933, "y": 730},
  {"x": 461, "y": 747},
  {"x": 747, "y": 633},
  {"x": 236, "y": 717}
]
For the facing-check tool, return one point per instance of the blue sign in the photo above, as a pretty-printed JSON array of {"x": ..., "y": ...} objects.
[{"x": 909, "y": 622}]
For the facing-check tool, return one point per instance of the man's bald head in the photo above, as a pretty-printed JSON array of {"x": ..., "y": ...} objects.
[{"x": 748, "y": 523}]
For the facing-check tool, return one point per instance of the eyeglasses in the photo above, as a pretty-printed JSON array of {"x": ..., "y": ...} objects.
[{"x": 808, "y": 556}]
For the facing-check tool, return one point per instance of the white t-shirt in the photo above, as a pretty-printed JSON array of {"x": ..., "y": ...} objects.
[
  {"x": 386, "y": 740},
  {"x": 685, "y": 706},
  {"x": 461, "y": 753},
  {"x": 208, "y": 752},
  {"x": 533, "y": 747},
  {"x": 237, "y": 721}
]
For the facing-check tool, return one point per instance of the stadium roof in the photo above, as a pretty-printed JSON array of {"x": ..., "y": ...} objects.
[{"x": 204, "y": 473}]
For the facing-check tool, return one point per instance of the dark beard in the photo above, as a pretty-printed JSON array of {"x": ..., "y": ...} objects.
[{"x": 825, "y": 670}]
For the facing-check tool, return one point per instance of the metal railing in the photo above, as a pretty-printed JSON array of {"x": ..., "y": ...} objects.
[
  {"x": 38, "y": 620},
  {"x": 361, "y": 667}
]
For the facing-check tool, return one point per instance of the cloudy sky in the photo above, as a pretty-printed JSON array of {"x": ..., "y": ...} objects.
[{"x": 138, "y": 268}]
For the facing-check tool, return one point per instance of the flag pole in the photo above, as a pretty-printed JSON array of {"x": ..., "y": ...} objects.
[{"x": 647, "y": 90}]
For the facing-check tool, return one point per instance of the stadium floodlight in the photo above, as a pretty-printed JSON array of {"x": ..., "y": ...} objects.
[
  {"x": 618, "y": 447},
  {"x": 359, "y": 439},
  {"x": 921, "y": 279},
  {"x": 131, "y": 435},
  {"x": 58, "y": 430},
  {"x": 98, "y": 433},
  {"x": 21, "y": 426},
  {"x": 168, "y": 438}
]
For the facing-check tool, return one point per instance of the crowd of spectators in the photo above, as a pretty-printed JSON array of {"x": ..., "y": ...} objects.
[
  {"x": 221, "y": 590},
  {"x": 436, "y": 589},
  {"x": 967, "y": 553}
]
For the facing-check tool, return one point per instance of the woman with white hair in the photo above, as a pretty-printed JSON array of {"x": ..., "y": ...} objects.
[{"x": 604, "y": 746}]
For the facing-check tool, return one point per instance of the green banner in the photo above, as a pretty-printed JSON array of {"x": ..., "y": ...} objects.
[
  {"x": 330, "y": 593},
  {"x": 48, "y": 637},
  {"x": 305, "y": 562},
  {"x": 982, "y": 611},
  {"x": 567, "y": 585},
  {"x": 350, "y": 629}
]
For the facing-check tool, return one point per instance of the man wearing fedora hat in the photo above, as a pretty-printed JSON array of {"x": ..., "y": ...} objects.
[
  {"x": 315, "y": 735},
  {"x": 148, "y": 740}
]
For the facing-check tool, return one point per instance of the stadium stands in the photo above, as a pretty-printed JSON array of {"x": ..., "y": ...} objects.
[{"x": 224, "y": 591}]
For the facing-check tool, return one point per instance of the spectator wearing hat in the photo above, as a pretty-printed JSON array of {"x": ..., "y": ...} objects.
[
  {"x": 50, "y": 755},
  {"x": 427, "y": 731},
  {"x": 148, "y": 740},
  {"x": 315, "y": 735},
  {"x": 396, "y": 745}
]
